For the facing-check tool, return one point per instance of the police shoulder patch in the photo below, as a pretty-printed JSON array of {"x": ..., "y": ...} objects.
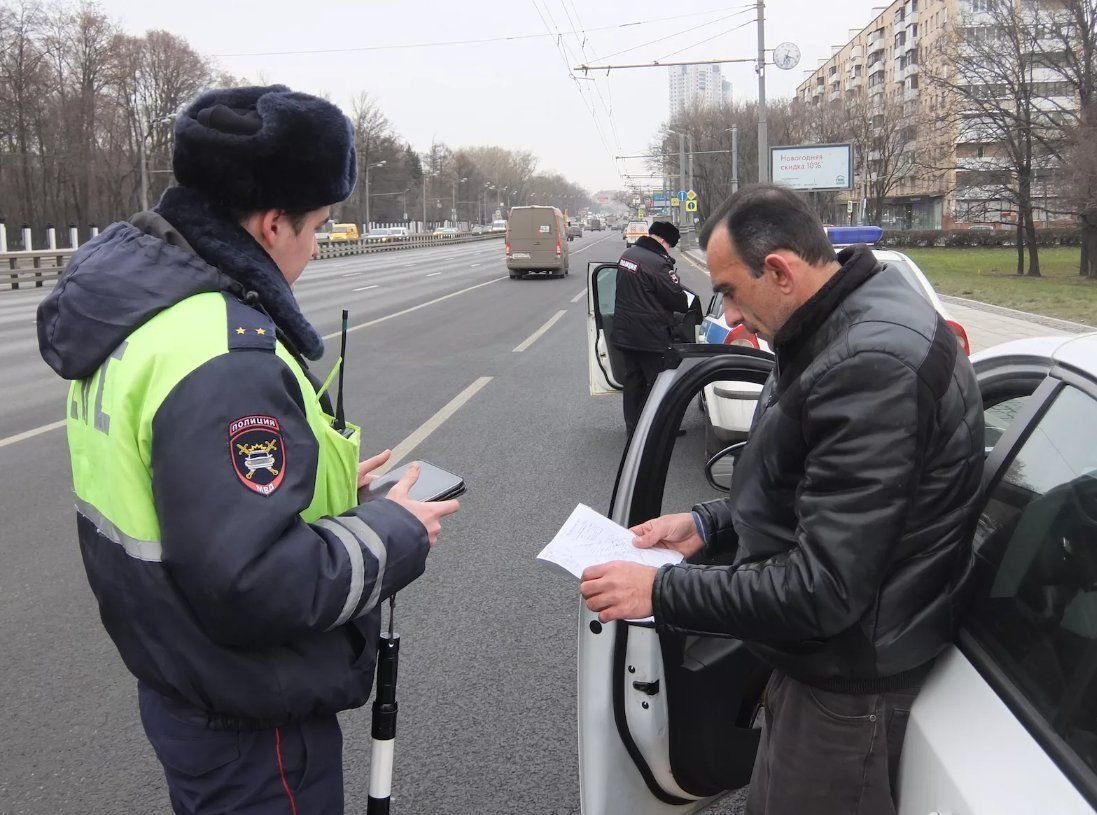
[{"x": 258, "y": 453}]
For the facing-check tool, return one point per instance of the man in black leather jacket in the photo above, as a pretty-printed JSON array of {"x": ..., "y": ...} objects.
[
  {"x": 648, "y": 295},
  {"x": 850, "y": 513}
]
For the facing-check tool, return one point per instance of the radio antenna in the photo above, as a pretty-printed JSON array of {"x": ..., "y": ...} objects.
[{"x": 340, "y": 418}]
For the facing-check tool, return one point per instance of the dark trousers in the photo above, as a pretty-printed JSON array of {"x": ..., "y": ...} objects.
[
  {"x": 640, "y": 370},
  {"x": 828, "y": 753},
  {"x": 290, "y": 770}
]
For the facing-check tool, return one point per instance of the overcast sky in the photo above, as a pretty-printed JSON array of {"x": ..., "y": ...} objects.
[{"x": 516, "y": 94}]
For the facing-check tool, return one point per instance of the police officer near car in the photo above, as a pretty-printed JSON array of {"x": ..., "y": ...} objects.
[
  {"x": 216, "y": 495},
  {"x": 850, "y": 515},
  {"x": 649, "y": 295}
]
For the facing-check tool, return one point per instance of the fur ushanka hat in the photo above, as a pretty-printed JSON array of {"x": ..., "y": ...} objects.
[{"x": 265, "y": 148}]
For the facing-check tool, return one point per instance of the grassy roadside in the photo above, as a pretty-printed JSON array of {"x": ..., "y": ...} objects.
[{"x": 987, "y": 274}]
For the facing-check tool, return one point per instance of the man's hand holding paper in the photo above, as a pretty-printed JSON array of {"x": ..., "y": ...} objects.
[{"x": 621, "y": 590}]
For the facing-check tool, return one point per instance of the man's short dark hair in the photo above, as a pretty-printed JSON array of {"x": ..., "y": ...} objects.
[{"x": 764, "y": 218}]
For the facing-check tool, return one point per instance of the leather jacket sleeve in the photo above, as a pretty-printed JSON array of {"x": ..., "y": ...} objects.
[{"x": 860, "y": 474}]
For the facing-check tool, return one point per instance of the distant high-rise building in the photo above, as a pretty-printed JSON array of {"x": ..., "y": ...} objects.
[{"x": 697, "y": 86}]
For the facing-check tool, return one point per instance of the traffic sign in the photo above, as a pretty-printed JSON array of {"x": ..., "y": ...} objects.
[
  {"x": 681, "y": 195},
  {"x": 691, "y": 206},
  {"x": 674, "y": 202},
  {"x": 640, "y": 212},
  {"x": 691, "y": 195}
]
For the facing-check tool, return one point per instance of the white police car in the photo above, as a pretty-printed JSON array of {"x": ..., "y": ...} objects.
[
  {"x": 1006, "y": 723},
  {"x": 729, "y": 406}
]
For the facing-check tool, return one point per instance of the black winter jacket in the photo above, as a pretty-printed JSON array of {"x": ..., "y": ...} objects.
[
  {"x": 648, "y": 295},
  {"x": 852, "y": 506}
]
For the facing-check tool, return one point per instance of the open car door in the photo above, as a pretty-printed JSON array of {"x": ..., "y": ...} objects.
[
  {"x": 601, "y": 296},
  {"x": 666, "y": 721}
]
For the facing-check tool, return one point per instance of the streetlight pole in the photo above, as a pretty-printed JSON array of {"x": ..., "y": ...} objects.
[
  {"x": 763, "y": 125},
  {"x": 453, "y": 203},
  {"x": 368, "y": 167}
]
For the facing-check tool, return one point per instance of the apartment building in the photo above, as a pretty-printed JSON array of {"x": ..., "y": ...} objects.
[
  {"x": 939, "y": 164},
  {"x": 697, "y": 86}
]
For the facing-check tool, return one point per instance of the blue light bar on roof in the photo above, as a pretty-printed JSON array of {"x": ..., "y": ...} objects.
[{"x": 847, "y": 235}]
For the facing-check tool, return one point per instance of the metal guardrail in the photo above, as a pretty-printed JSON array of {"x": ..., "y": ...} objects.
[
  {"x": 33, "y": 269},
  {"x": 366, "y": 246},
  {"x": 37, "y": 268}
]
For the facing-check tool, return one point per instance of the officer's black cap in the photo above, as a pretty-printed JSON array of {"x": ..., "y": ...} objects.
[
  {"x": 266, "y": 147},
  {"x": 665, "y": 230}
]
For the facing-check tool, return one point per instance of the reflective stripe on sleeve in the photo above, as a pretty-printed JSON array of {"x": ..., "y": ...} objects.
[
  {"x": 150, "y": 551},
  {"x": 373, "y": 542},
  {"x": 357, "y": 568}
]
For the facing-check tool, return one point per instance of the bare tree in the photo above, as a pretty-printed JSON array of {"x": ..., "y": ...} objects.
[
  {"x": 1067, "y": 50},
  {"x": 989, "y": 64}
]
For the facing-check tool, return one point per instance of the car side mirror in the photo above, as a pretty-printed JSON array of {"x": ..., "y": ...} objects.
[{"x": 719, "y": 468}]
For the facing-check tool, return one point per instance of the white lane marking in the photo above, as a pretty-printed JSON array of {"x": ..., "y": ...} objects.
[
  {"x": 473, "y": 266},
  {"x": 536, "y": 335},
  {"x": 352, "y": 274},
  {"x": 335, "y": 334},
  {"x": 433, "y": 423},
  {"x": 434, "y": 274},
  {"x": 589, "y": 245},
  {"x": 579, "y": 296},
  {"x": 366, "y": 288},
  {"x": 30, "y": 434}
]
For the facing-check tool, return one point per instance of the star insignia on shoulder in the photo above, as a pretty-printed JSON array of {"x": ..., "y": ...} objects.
[
  {"x": 260, "y": 331},
  {"x": 241, "y": 331}
]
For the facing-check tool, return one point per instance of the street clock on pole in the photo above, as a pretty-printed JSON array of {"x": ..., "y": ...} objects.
[{"x": 786, "y": 56}]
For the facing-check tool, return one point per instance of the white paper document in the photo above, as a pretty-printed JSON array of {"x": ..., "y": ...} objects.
[{"x": 587, "y": 539}]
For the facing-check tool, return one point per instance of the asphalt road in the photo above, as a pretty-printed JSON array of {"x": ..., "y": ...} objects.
[
  {"x": 487, "y": 675},
  {"x": 487, "y": 679}
]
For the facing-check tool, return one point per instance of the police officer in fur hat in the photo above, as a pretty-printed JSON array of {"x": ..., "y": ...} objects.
[
  {"x": 217, "y": 506},
  {"x": 648, "y": 295}
]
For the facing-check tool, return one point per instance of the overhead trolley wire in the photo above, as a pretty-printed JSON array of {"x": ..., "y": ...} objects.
[{"x": 478, "y": 41}]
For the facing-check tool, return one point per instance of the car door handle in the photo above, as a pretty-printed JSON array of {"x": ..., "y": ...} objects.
[{"x": 650, "y": 688}]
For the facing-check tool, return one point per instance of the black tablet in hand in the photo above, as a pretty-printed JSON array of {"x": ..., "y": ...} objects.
[{"x": 433, "y": 484}]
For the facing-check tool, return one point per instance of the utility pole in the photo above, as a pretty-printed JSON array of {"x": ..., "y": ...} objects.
[
  {"x": 763, "y": 125},
  {"x": 144, "y": 171},
  {"x": 681, "y": 177},
  {"x": 423, "y": 202},
  {"x": 734, "y": 158},
  {"x": 690, "y": 185}
]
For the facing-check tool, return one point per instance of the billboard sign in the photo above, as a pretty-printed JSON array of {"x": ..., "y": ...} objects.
[
  {"x": 660, "y": 198},
  {"x": 812, "y": 166}
]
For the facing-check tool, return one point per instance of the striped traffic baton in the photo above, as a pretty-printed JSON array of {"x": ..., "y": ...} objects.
[{"x": 384, "y": 719}]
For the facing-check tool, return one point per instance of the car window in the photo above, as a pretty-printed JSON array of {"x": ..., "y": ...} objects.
[
  {"x": 909, "y": 275},
  {"x": 997, "y": 417},
  {"x": 715, "y": 306},
  {"x": 607, "y": 290},
  {"x": 1035, "y": 604}
]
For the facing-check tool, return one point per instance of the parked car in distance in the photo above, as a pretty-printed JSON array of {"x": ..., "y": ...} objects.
[
  {"x": 634, "y": 231},
  {"x": 381, "y": 235},
  {"x": 729, "y": 406},
  {"x": 536, "y": 241},
  {"x": 575, "y": 230},
  {"x": 446, "y": 231},
  {"x": 344, "y": 232}
]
